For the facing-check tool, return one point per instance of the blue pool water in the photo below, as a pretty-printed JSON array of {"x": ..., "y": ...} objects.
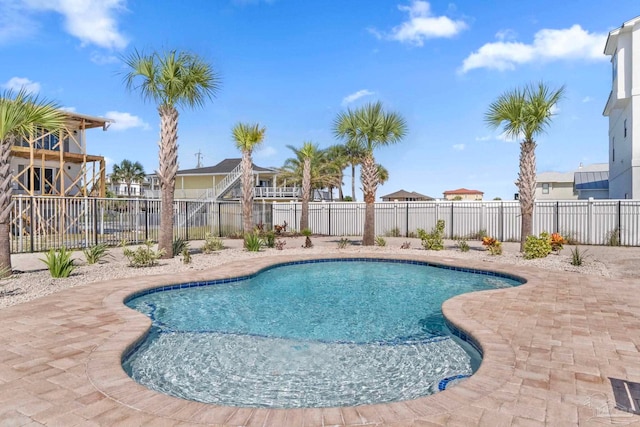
[{"x": 308, "y": 335}]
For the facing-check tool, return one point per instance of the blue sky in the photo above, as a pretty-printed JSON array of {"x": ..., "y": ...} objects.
[{"x": 294, "y": 65}]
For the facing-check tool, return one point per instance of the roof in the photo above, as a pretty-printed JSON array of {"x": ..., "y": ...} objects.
[
  {"x": 462, "y": 191},
  {"x": 87, "y": 122},
  {"x": 592, "y": 180},
  {"x": 612, "y": 39},
  {"x": 223, "y": 168},
  {"x": 568, "y": 177},
  {"x": 403, "y": 194}
]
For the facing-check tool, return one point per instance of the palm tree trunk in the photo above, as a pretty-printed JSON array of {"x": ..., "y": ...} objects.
[
  {"x": 306, "y": 193},
  {"x": 5, "y": 203},
  {"x": 340, "y": 193},
  {"x": 526, "y": 188},
  {"x": 369, "y": 174},
  {"x": 247, "y": 192},
  {"x": 353, "y": 182},
  {"x": 168, "y": 156}
]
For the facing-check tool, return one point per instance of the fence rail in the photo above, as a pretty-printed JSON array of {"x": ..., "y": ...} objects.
[{"x": 41, "y": 223}]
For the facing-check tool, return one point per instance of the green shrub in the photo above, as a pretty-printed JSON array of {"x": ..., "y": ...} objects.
[
  {"x": 59, "y": 262},
  {"x": 435, "y": 239},
  {"x": 253, "y": 242},
  {"x": 179, "y": 245},
  {"x": 307, "y": 241},
  {"x": 270, "y": 239},
  {"x": 394, "y": 232},
  {"x": 380, "y": 241},
  {"x": 462, "y": 244},
  {"x": 94, "y": 254},
  {"x": 143, "y": 256},
  {"x": 211, "y": 243},
  {"x": 537, "y": 247},
  {"x": 343, "y": 243},
  {"x": 186, "y": 256},
  {"x": 578, "y": 257}
]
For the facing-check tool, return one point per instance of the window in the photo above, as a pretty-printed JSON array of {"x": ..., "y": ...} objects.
[
  {"x": 545, "y": 188},
  {"x": 613, "y": 149},
  {"x": 625, "y": 128},
  {"x": 614, "y": 67}
]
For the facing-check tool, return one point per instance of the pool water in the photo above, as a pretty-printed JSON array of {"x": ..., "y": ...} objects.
[{"x": 308, "y": 335}]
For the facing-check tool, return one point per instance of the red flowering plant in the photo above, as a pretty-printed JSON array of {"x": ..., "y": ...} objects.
[{"x": 556, "y": 242}]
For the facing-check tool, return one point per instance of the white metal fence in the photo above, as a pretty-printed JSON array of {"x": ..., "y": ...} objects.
[
  {"x": 595, "y": 222},
  {"x": 41, "y": 223}
]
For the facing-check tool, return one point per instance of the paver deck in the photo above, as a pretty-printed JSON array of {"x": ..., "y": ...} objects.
[{"x": 549, "y": 348}]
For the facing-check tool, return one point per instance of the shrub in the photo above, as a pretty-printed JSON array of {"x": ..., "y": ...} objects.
[
  {"x": 93, "y": 254},
  {"x": 179, "y": 245},
  {"x": 556, "y": 241},
  {"x": 280, "y": 244},
  {"x": 186, "y": 256},
  {"x": 253, "y": 242},
  {"x": 537, "y": 247},
  {"x": 613, "y": 237},
  {"x": 307, "y": 233},
  {"x": 435, "y": 239},
  {"x": 211, "y": 243},
  {"x": 578, "y": 257},
  {"x": 343, "y": 243},
  {"x": 59, "y": 262},
  {"x": 394, "y": 232},
  {"x": 281, "y": 228},
  {"x": 143, "y": 256},
  {"x": 462, "y": 244},
  {"x": 493, "y": 245},
  {"x": 270, "y": 239},
  {"x": 405, "y": 245},
  {"x": 380, "y": 241}
]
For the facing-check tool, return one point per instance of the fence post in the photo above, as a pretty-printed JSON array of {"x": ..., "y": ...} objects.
[
  {"x": 186, "y": 220},
  {"x": 330, "y": 219},
  {"x": 219, "y": 219},
  {"x": 556, "y": 225},
  {"x": 619, "y": 222},
  {"x": 295, "y": 215},
  {"x": 451, "y": 233},
  {"x": 590, "y": 222},
  {"x": 20, "y": 225},
  {"x": 95, "y": 221},
  {"x": 146, "y": 220},
  {"x": 31, "y": 232},
  {"x": 407, "y": 222},
  {"x": 501, "y": 221}
]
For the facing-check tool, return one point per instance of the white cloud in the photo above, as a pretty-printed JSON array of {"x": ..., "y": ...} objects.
[
  {"x": 507, "y": 34},
  {"x": 68, "y": 109},
  {"x": 17, "y": 83},
  {"x": 483, "y": 138},
  {"x": 458, "y": 147},
  {"x": 124, "y": 121},
  {"x": 587, "y": 99},
  {"x": 506, "y": 138},
  {"x": 548, "y": 45},
  {"x": 356, "y": 95},
  {"x": 554, "y": 109},
  {"x": 91, "y": 21},
  {"x": 14, "y": 22},
  {"x": 422, "y": 25},
  {"x": 100, "y": 59}
]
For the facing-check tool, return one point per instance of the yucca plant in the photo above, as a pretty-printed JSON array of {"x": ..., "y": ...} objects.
[
  {"x": 179, "y": 245},
  {"x": 253, "y": 242},
  {"x": 93, "y": 254},
  {"x": 343, "y": 243},
  {"x": 59, "y": 262},
  {"x": 578, "y": 256},
  {"x": 380, "y": 241}
]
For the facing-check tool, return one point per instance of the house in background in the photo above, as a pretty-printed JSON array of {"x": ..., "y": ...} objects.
[
  {"x": 223, "y": 182},
  {"x": 119, "y": 189},
  {"x": 583, "y": 183},
  {"x": 54, "y": 162},
  {"x": 463, "y": 194},
  {"x": 623, "y": 111},
  {"x": 406, "y": 196}
]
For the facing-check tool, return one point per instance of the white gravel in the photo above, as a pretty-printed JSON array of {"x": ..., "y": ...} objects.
[{"x": 35, "y": 281}]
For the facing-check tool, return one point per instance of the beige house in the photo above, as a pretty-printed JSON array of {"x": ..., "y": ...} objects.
[
  {"x": 463, "y": 194},
  {"x": 405, "y": 196},
  {"x": 223, "y": 182},
  {"x": 55, "y": 162},
  {"x": 582, "y": 183}
]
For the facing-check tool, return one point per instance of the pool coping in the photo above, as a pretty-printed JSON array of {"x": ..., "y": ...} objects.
[{"x": 107, "y": 375}]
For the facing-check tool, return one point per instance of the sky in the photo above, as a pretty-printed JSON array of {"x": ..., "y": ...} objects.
[{"x": 293, "y": 66}]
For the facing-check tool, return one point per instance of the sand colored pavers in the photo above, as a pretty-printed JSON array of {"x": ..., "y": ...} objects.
[{"x": 549, "y": 348}]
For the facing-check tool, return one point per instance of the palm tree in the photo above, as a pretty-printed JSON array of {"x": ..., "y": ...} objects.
[
  {"x": 308, "y": 152},
  {"x": 337, "y": 158},
  {"x": 128, "y": 172},
  {"x": 247, "y": 137},
  {"x": 526, "y": 112},
  {"x": 383, "y": 174},
  {"x": 370, "y": 127},
  {"x": 19, "y": 114},
  {"x": 355, "y": 153},
  {"x": 171, "y": 79}
]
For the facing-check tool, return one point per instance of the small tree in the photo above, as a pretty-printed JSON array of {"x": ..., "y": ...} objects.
[{"x": 128, "y": 172}]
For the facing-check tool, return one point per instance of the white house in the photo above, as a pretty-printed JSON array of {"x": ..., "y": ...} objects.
[{"x": 623, "y": 110}]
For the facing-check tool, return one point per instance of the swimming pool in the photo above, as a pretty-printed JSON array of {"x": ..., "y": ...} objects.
[{"x": 310, "y": 334}]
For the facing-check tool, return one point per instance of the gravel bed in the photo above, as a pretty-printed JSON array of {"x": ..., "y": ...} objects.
[{"x": 37, "y": 282}]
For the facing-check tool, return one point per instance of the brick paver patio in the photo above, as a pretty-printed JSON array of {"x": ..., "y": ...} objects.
[{"x": 549, "y": 348}]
